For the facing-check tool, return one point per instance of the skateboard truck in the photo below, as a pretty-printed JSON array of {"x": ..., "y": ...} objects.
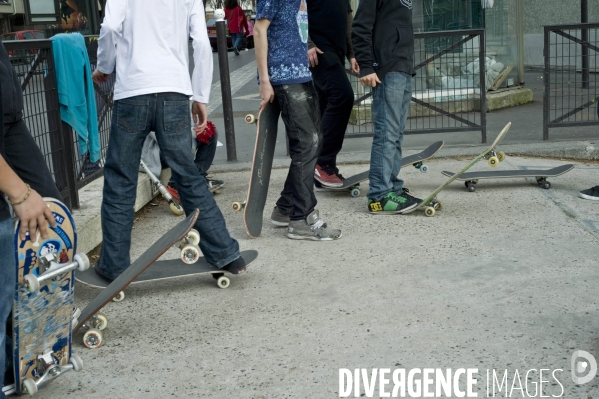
[
  {"x": 175, "y": 207},
  {"x": 432, "y": 206},
  {"x": 54, "y": 270},
  {"x": 93, "y": 337},
  {"x": 493, "y": 158},
  {"x": 49, "y": 369},
  {"x": 420, "y": 166}
]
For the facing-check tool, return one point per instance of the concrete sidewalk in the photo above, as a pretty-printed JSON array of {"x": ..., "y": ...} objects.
[{"x": 503, "y": 278}]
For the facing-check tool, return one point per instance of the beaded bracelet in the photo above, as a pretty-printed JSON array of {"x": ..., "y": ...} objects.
[{"x": 24, "y": 198}]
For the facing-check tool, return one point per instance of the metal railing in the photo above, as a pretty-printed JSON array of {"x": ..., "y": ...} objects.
[
  {"x": 448, "y": 91},
  {"x": 571, "y": 76},
  {"x": 34, "y": 63}
]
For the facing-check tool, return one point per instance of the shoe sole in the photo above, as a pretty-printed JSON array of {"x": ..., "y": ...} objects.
[
  {"x": 401, "y": 211},
  {"x": 313, "y": 238},
  {"x": 279, "y": 224},
  {"x": 588, "y": 197},
  {"x": 328, "y": 184}
]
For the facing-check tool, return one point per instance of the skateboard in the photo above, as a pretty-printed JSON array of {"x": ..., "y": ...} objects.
[
  {"x": 471, "y": 178},
  {"x": 95, "y": 321},
  {"x": 431, "y": 204},
  {"x": 417, "y": 160},
  {"x": 175, "y": 207},
  {"x": 266, "y": 139},
  {"x": 43, "y": 302}
]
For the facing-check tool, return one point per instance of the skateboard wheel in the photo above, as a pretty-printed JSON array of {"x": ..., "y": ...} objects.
[
  {"x": 30, "y": 386},
  {"x": 82, "y": 260},
  {"x": 237, "y": 206},
  {"x": 546, "y": 185},
  {"x": 74, "y": 323},
  {"x": 101, "y": 321},
  {"x": 76, "y": 362},
  {"x": 429, "y": 211},
  {"x": 355, "y": 192},
  {"x": 190, "y": 254},
  {"x": 424, "y": 168},
  {"x": 493, "y": 161},
  {"x": 249, "y": 118},
  {"x": 501, "y": 156},
  {"x": 193, "y": 236},
  {"x": 32, "y": 284},
  {"x": 439, "y": 205},
  {"x": 176, "y": 209},
  {"x": 93, "y": 338},
  {"x": 223, "y": 282},
  {"x": 471, "y": 186},
  {"x": 119, "y": 298}
]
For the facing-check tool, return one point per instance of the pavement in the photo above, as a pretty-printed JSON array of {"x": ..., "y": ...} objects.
[{"x": 503, "y": 280}]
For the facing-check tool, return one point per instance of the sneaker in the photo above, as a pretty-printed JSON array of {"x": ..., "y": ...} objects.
[
  {"x": 236, "y": 51},
  {"x": 407, "y": 193},
  {"x": 173, "y": 192},
  {"x": 327, "y": 176},
  {"x": 312, "y": 228},
  {"x": 214, "y": 184},
  {"x": 279, "y": 218},
  {"x": 319, "y": 187},
  {"x": 590, "y": 194},
  {"x": 393, "y": 203}
]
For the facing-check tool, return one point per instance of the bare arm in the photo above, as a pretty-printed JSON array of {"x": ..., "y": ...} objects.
[
  {"x": 261, "y": 45},
  {"x": 33, "y": 211}
]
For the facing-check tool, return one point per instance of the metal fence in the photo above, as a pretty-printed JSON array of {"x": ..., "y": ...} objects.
[
  {"x": 34, "y": 64},
  {"x": 571, "y": 76},
  {"x": 448, "y": 91}
]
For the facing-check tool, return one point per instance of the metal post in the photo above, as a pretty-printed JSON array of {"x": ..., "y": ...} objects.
[
  {"x": 225, "y": 84},
  {"x": 584, "y": 18},
  {"x": 546, "y": 81},
  {"x": 483, "y": 85},
  {"x": 521, "y": 42}
]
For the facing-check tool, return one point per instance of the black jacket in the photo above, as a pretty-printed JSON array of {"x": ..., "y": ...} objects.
[
  {"x": 383, "y": 37},
  {"x": 12, "y": 95}
]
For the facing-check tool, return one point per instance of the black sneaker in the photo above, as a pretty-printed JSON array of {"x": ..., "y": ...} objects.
[
  {"x": 590, "y": 194},
  {"x": 407, "y": 193},
  {"x": 236, "y": 51},
  {"x": 392, "y": 204}
]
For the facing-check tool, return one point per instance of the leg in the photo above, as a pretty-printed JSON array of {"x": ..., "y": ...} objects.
[
  {"x": 7, "y": 286},
  {"x": 302, "y": 122},
  {"x": 334, "y": 88},
  {"x": 172, "y": 127},
  {"x": 388, "y": 100},
  {"x": 131, "y": 123},
  {"x": 26, "y": 159},
  {"x": 403, "y": 116}
]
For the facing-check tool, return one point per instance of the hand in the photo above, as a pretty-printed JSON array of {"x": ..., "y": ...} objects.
[
  {"x": 200, "y": 116},
  {"x": 267, "y": 94},
  {"x": 354, "y": 65},
  {"x": 313, "y": 56},
  {"x": 370, "y": 80},
  {"x": 99, "y": 77},
  {"x": 34, "y": 213}
]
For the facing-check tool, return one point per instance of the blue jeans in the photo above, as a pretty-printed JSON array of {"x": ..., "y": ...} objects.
[
  {"x": 8, "y": 274},
  {"x": 133, "y": 118},
  {"x": 390, "y": 107},
  {"x": 237, "y": 39}
]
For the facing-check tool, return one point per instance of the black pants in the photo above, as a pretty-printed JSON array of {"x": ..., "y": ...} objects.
[
  {"x": 299, "y": 108},
  {"x": 336, "y": 98},
  {"x": 25, "y": 158}
]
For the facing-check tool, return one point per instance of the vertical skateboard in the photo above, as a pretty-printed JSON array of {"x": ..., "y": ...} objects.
[
  {"x": 43, "y": 302},
  {"x": 266, "y": 139},
  {"x": 92, "y": 319},
  {"x": 431, "y": 204}
]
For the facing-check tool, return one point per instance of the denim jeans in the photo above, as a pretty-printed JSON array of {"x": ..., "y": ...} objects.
[
  {"x": 299, "y": 107},
  {"x": 390, "y": 107},
  {"x": 8, "y": 274},
  {"x": 204, "y": 157},
  {"x": 237, "y": 39},
  {"x": 133, "y": 118},
  {"x": 336, "y": 99}
]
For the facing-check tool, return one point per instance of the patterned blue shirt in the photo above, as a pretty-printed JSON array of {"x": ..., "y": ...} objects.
[{"x": 287, "y": 38}]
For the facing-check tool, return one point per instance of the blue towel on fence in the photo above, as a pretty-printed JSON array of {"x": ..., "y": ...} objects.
[{"x": 76, "y": 91}]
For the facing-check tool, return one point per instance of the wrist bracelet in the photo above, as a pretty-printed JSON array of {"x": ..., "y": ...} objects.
[{"x": 24, "y": 198}]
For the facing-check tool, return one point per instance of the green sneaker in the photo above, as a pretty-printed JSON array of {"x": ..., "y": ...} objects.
[{"x": 392, "y": 204}]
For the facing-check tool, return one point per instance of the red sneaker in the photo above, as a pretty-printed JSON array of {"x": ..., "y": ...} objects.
[
  {"x": 327, "y": 176},
  {"x": 173, "y": 192}
]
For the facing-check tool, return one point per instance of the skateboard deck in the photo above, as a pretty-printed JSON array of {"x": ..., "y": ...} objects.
[
  {"x": 431, "y": 204},
  {"x": 171, "y": 268},
  {"x": 266, "y": 139},
  {"x": 43, "y": 303},
  {"x": 471, "y": 178},
  {"x": 112, "y": 290},
  {"x": 352, "y": 183}
]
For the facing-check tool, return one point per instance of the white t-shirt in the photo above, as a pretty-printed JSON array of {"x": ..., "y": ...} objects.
[{"x": 148, "y": 42}]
